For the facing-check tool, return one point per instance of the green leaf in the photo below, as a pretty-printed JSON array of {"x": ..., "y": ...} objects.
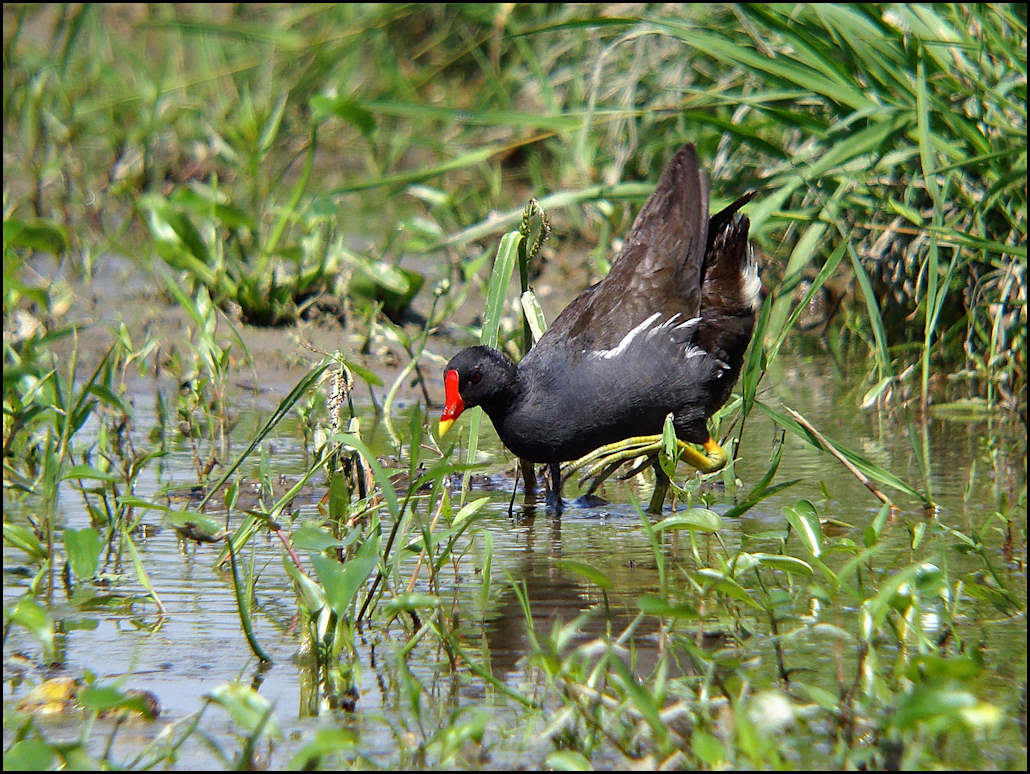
[
  {"x": 346, "y": 109},
  {"x": 326, "y": 741},
  {"x": 83, "y": 547},
  {"x": 641, "y": 698},
  {"x": 24, "y": 539},
  {"x": 788, "y": 564},
  {"x": 29, "y": 755},
  {"x": 700, "y": 519},
  {"x": 249, "y": 709},
  {"x": 497, "y": 292},
  {"x": 171, "y": 226},
  {"x": 568, "y": 760},
  {"x": 194, "y": 524},
  {"x": 468, "y": 512},
  {"x": 592, "y": 574},
  {"x": 412, "y": 600},
  {"x": 534, "y": 315},
  {"x": 710, "y": 577},
  {"x": 805, "y": 522},
  {"x": 708, "y": 748},
  {"x": 652, "y": 604},
  {"x": 312, "y": 596},
  {"x": 41, "y": 235},
  {"x": 100, "y": 697},
  {"x": 34, "y": 617},
  {"x": 88, "y": 471},
  {"x": 316, "y": 539},
  {"x": 933, "y": 667},
  {"x": 929, "y": 702},
  {"x": 342, "y": 581}
]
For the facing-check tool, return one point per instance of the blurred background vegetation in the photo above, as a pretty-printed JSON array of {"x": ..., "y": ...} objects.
[{"x": 303, "y": 159}]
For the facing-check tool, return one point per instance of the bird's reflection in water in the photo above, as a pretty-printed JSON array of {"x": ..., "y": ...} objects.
[{"x": 558, "y": 596}]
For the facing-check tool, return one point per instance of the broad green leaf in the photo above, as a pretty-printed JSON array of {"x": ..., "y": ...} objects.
[
  {"x": 311, "y": 538},
  {"x": 804, "y": 520},
  {"x": 930, "y": 702},
  {"x": 29, "y": 755},
  {"x": 567, "y": 760},
  {"x": 40, "y": 234},
  {"x": 710, "y": 577},
  {"x": 23, "y": 538},
  {"x": 326, "y": 742},
  {"x": 34, "y": 617},
  {"x": 342, "y": 581},
  {"x": 788, "y": 564},
  {"x": 708, "y": 748},
  {"x": 312, "y": 595},
  {"x": 534, "y": 315},
  {"x": 249, "y": 709},
  {"x": 652, "y": 604},
  {"x": 468, "y": 512},
  {"x": 592, "y": 574},
  {"x": 347, "y": 109},
  {"x": 700, "y": 519},
  {"x": 89, "y": 472},
  {"x": 83, "y": 547}
]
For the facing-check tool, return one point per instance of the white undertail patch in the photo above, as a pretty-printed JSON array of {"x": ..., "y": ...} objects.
[{"x": 752, "y": 284}]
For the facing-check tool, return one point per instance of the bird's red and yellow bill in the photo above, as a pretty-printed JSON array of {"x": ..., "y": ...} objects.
[{"x": 453, "y": 404}]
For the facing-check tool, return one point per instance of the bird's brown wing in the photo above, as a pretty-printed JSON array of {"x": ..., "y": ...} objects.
[{"x": 658, "y": 268}]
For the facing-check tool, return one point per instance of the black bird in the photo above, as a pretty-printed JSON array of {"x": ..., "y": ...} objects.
[{"x": 665, "y": 331}]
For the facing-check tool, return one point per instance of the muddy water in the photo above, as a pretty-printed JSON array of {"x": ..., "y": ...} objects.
[{"x": 199, "y": 645}]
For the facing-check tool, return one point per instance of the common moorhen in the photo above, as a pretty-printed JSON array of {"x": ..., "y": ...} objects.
[{"x": 665, "y": 331}]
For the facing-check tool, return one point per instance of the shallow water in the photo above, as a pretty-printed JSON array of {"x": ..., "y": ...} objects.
[{"x": 199, "y": 644}]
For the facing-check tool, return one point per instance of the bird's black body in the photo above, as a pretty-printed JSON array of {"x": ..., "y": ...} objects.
[{"x": 665, "y": 331}]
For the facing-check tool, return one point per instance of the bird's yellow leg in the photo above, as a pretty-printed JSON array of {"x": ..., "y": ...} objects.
[
  {"x": 712, "y": 460},
  {"x": 606, "y": 458}
]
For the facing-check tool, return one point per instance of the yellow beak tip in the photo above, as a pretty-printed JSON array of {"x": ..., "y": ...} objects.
[{"x": 445, "y": 425}]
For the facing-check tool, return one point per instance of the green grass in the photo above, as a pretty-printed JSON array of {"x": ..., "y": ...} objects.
[{"x": 286, "y": 163}]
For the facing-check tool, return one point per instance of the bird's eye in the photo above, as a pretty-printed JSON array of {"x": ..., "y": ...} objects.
[{"x": 476, "y": 377}]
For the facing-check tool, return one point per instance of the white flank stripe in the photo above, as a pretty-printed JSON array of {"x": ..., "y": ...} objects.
[
  {"x": 623, "y": 345},
  {"x": 689, "y": 323}
]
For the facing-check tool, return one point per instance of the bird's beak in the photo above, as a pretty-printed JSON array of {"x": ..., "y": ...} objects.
[{"x": 453, "y": 404}]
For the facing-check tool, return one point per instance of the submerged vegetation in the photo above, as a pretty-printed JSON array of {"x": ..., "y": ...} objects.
[{"x": 364, "y": 169}]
